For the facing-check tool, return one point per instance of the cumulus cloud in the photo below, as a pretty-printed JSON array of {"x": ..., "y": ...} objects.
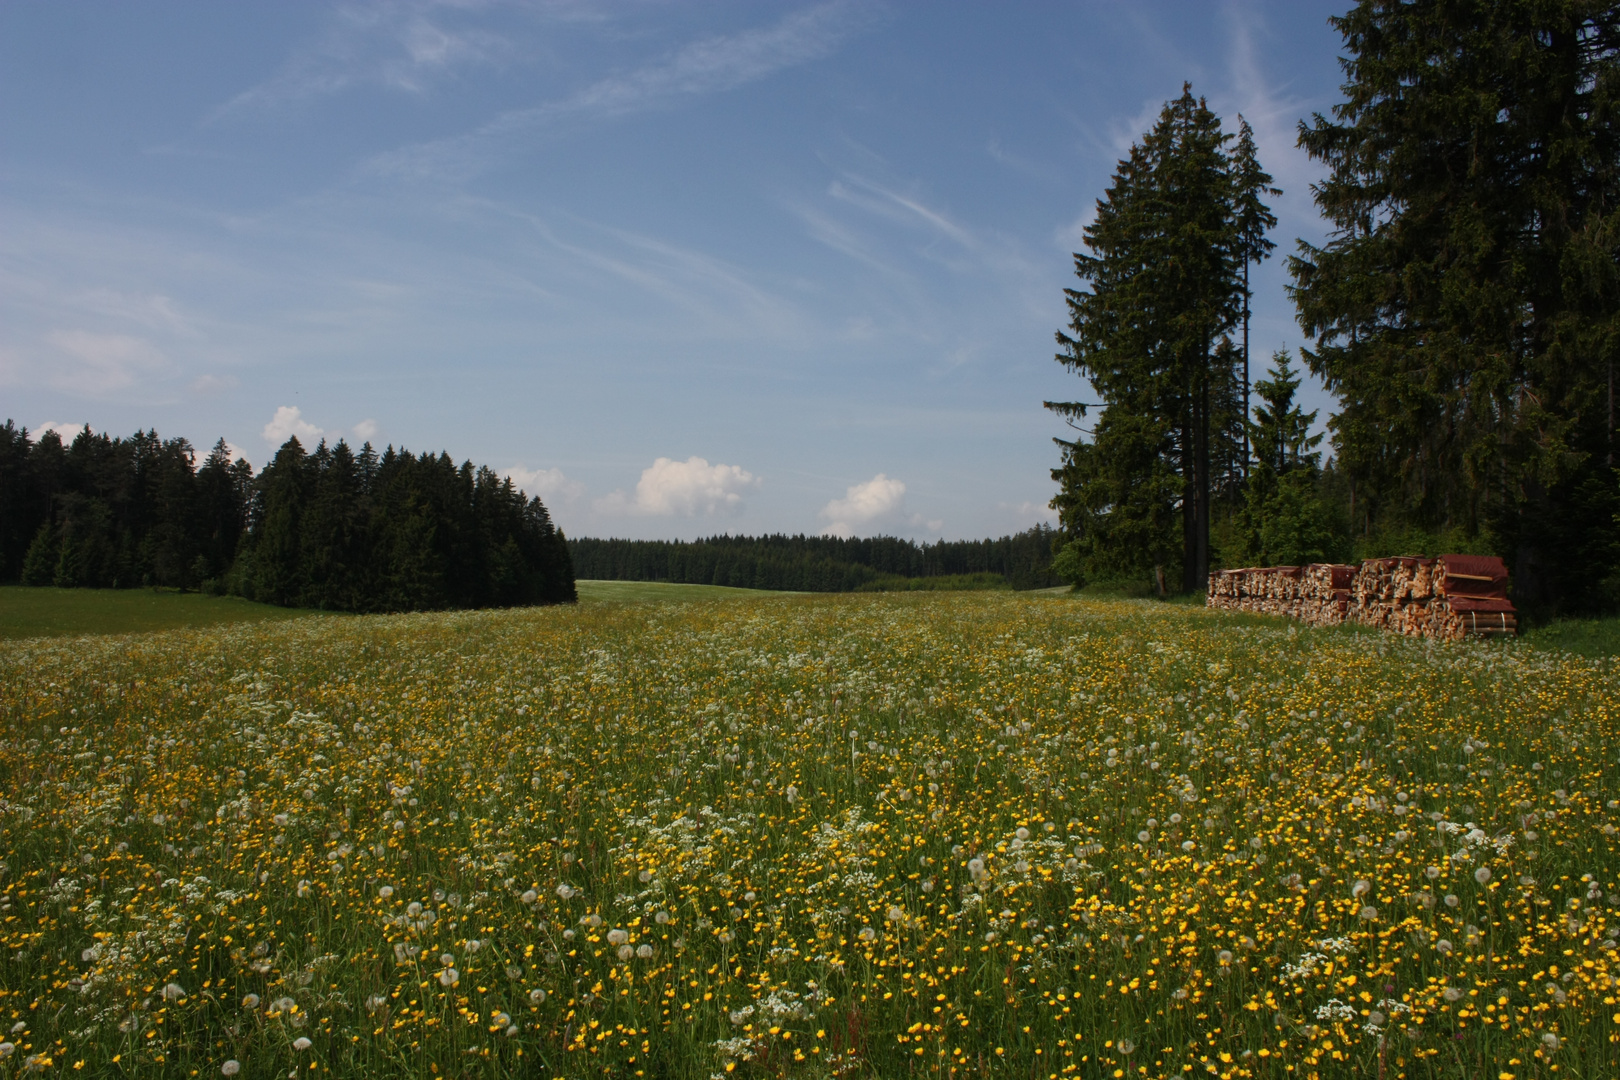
[
  {"x": 287, "y": 422},
  {"x": 878, "y": 505},
  {"x": 689, "y": 488},
  {"x": 1029, "y": 513},
  {"x": 549, "y": 484},
  {"x": 67, "y": 432},
  {"x": 366, "y": 430}
]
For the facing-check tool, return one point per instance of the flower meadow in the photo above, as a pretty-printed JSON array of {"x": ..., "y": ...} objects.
[{"x": 852, "y": 836}]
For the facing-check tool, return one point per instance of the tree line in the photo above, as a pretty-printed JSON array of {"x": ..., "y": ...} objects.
[
  {"x": 330, "y": 529},
  {"x": 1464, "y": 310},
  {"x": 823, "y": 563}
]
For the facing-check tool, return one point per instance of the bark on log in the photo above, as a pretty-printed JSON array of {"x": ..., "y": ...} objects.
[{"x": 1449, "y": 598}]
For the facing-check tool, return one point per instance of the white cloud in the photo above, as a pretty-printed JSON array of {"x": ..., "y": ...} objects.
[
  {"x": 710, "y": 65},
  {"x": 214, "y": 384},
  {"x": 153, "y": 311},
  {"x": 689, "y": 488},
  {"x": 287, "y": 422},
  {"x": 67, "y": 432},
  {"x": 549, "y": 484},
  {"x": 365, "y": 430},
  {"x": 403, "y": 46},
  {"x": 1072, "y": 237},
  {"x": 878, "y": 505},
  {"x": 236, "y": 452},
  {"x": 101, "y": 363},
  {"x": 1027, "y": 514}
]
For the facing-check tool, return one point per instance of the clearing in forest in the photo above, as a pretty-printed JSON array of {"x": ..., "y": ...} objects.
[{"x": 861, "y": 835}]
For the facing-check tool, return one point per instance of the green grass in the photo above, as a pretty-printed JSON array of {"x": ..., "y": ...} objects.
[
  {"x": 1584, "y": 637},
  {"x": 805, "y": 839},
  {"x": 939, "y": 583},
  {"x": 33, "y": 612},
  {"x": 1117, "y": 590},
  {"x": 634, "y": 591},
  {"x": 37, "y": 612}
]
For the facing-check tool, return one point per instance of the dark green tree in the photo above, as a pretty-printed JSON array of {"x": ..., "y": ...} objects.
[
  {"x": 1166, "y": 284},
  {"x": 1285, "y": 519},
  {"x": 272, "y": 569},
  {"x": 1466, "y": 306}
]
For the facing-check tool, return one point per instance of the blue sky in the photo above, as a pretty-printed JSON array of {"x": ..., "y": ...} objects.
[{"x": 681, "y": 268}]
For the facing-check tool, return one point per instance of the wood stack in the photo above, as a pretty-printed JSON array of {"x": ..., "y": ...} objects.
[{"x": 1449, "y": 598}]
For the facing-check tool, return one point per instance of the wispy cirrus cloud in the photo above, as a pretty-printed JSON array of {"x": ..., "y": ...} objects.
[
  {"x": 402, "y": 45},
  {"x": 707, "y": 66},
  {"x": 96, "y": 363}
]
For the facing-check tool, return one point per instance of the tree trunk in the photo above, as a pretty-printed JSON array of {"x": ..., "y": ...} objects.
[
  {"x": 1201, "y": 540},
  {"x": 1189, "y": 488},
  {"x": 1246, "y": 371}
]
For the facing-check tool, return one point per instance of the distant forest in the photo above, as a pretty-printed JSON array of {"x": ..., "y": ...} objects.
[
  {"x": 824, "y": 563},
  {"x": 331, "y": 529}
]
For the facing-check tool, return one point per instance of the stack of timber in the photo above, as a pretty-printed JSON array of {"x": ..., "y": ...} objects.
[{"x": 1449, "y": 598}]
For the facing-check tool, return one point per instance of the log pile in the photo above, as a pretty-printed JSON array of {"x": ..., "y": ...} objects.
[{"x": 1449, "y": 598}]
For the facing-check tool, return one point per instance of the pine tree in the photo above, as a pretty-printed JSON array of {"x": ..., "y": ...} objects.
[
  {"x": 1285, "y": 520},
  {"x": 274, "y": 571},
  {"x": 1171, "y": 239},
  {"x": 1465, "y": 308}
]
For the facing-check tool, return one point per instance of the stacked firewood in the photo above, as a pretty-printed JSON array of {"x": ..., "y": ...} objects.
[{"x": 1449, "y": 598}]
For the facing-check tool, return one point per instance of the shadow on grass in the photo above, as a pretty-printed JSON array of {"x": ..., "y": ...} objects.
[
  {"x": 634, "y": 591},
  {"x": 45, "y": 612},
  {"x": 1584, "y": 637}
]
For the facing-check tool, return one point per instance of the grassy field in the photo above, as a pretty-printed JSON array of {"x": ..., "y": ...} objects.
[
  {"x": 635, "y": 591},
  {"x": 32, "y": 612},
  {"x": 971, "y": 834},
  {"x": 1585, "y": 637},
  {"x": 28, "y": 612}
]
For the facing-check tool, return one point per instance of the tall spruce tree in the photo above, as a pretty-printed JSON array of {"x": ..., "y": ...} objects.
[
  {"x": 1169, "y": 246},
  {"x": 1466, "y": 307}
]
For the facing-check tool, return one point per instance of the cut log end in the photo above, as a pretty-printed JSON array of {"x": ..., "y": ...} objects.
[{"x": 1449, "y": 599}]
